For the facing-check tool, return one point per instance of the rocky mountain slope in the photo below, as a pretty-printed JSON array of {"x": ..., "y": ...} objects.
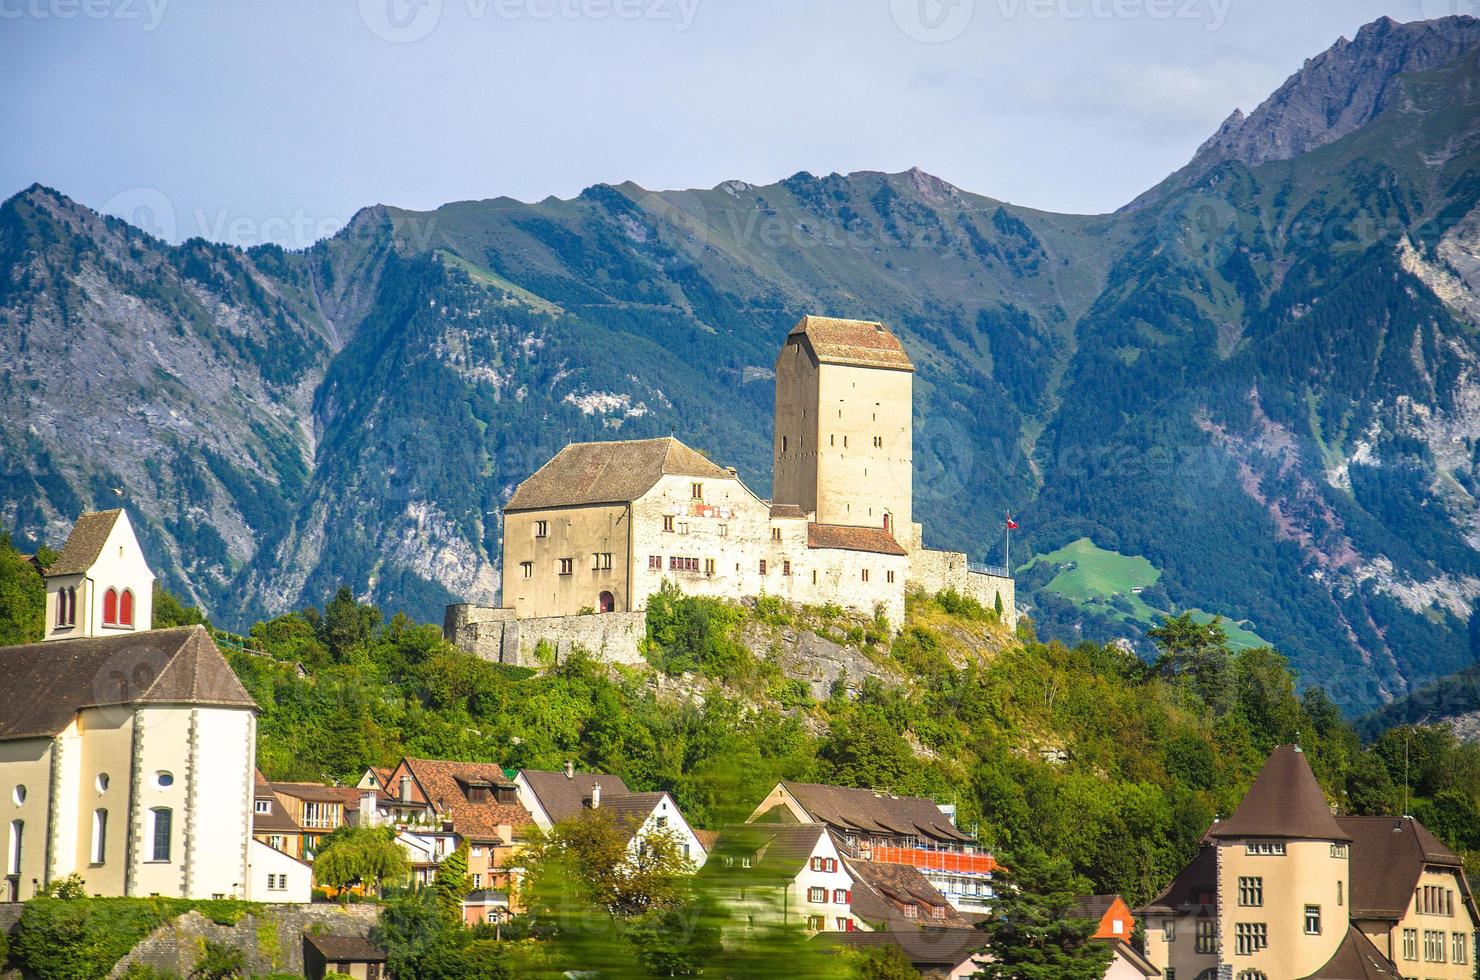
[{"x": 1262, "y": 376}]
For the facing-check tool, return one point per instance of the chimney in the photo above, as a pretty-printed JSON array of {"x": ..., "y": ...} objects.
[
  {"x": 595, "y": 795},
  {"x": 405, "y": 789},
  {"x": 570, "y": 769}
]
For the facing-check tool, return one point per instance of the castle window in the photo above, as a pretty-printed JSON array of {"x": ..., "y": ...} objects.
[
  {"x": 724, "y": 530},
  {"x": 814, "y": 576},
  {"x": 845, "y": 442},
  {"x": 865, "y": 574},
  {"x": 775, "y": 534},
  {"x": 542, "y": 529},
  {"x": 1251, "y": 892},
  {"x": 786, "y": 568},
  {"x": 1250, "y": 937},
  {"x": 668, "y": 522},
  {"x": 1338, "y": 850},
  {"x": 889, "y": 576},
  {"x": 1461, "y": 948},
  {"x": 1312, "y": 920},
  {"x": 126, "y": 608},
  {"x": 526, "y": 568},
  {"x": 783, "y": 444},
  {"x": 1410, "y": 944},
  {"x": 1433, "y": 946},
  {"x": 878, "y": 442},
  {"x": 709, "y": 567},
  {"x": 655, "y": 563},
  {"x": 567, "y": 566},
  {"x": 832, "y": 440},
  {"x": 763, "y": 566},
  {"x": 696, "y": 490},
  {"x": 1340, "y": 887},
  {"x": 601, "y": 561},
  {"x": 110, "y": 607},
  {"x": 161, "y": 820},
  {"x": 1206, "y": 940},
  {"x": 1265, "y": 847}
]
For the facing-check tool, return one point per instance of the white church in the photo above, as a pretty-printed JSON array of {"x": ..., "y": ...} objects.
[{"x": 127, "y": 753}]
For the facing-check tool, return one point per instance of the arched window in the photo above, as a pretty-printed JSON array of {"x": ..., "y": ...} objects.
[
  {"x": 887, "y": 522},
  {"x": 17, "y": 839},
  {"x": 71, "y": 606},
  {"x": 61, "y": 607},
  {"x": 100, "y": 836},
  {"x": 126, "y": 608},
  {"x": 161, "y": 818},
  {"x": 110, "y": 607}
]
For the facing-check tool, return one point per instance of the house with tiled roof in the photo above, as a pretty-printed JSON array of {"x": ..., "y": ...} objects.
[
  {"x": 786, "y": 875},
  {"x": 888, "y": 829},
  {"x": 604, "y": 525},
  {"x": 1285, "y": 889},
  {"x": 556, "y": 797}
]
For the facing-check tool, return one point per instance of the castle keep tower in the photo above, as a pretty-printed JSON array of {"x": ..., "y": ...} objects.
[{"x": 843, "y": 443}]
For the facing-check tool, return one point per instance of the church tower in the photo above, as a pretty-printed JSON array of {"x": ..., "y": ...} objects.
[
  {"x": 843, "y": 443},
  {"x": 100, "y": 585}
]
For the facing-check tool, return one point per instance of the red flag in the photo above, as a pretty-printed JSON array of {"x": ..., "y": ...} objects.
[{"x": 1011, "y": 524}]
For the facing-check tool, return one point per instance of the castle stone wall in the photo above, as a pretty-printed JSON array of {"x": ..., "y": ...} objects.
[
  {"x": 939, "y": 571},
  {"x": 495, "y": 635}
]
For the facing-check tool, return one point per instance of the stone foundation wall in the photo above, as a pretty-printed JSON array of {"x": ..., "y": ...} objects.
[
  {"x": 495, "y": 635},
  {"x": 272, "y": 941},
  {"x": 940, "y": 571}
]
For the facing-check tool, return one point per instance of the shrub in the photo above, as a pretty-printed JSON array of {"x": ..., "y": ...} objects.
[{"x": 964, "y": 606}]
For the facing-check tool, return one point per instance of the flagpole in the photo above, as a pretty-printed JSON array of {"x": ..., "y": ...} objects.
[{"x": 1007, "y": 547}]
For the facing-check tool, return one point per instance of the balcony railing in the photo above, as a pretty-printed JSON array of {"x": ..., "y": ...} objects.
[{"x": 999, "y": 571}]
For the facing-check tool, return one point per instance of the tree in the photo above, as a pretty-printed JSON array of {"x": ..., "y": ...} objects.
[
  {"x": 1370, "y": 790},
  {"x": 1031, "y": 934},
  {"x": 22, "y": 597},
  {"x": 170, "y": 611},
  {"x": 593, "y": 854},
  {"x": 887, "y": 963},
  {"x": 1195, "y": 651},
  {"x": 360, "y": 855},
  {"x": 451, "y": 885}
]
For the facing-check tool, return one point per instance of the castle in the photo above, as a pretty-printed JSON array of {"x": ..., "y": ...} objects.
[{"x": 599, "y": 528}]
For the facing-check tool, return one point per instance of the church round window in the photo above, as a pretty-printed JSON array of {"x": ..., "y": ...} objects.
[
  {"x": 163, "y": 779},
  {"x": 19, "y": 795}
]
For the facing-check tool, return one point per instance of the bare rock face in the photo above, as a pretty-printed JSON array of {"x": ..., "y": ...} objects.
[
  {"x": 1338, "y": 91},
  {"x": 817, "y": 661}
]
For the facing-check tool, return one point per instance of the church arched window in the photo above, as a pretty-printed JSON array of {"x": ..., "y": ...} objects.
[
  {"x": 71, "y": 606},
  {"x": 126, "y": 608},
  {"x": 110, "y": 607},
  {"x": 61, "y": 607}
]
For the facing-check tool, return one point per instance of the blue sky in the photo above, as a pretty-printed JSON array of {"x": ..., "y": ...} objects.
[{"x": 251, "y": 120}]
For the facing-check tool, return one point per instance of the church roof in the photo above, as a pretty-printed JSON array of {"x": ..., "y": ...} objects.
[
  {"x": 1388, "y": 855},
  {"x": 847, "y": 538},
  {"x": 585, "y": 473},
  {"x": 85, "y": 543},
  {"x": 1285, "y": 801},
  {"x": 858, "y": 343},
  {"x": 44, "y": 685}
]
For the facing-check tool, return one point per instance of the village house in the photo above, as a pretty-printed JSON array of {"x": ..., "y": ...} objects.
[
  {"x": 787, "y": 875},
  {"x": 1284, "y": 889},
  {"x": 438, "y": 806},
  {"x": 314, "y": 810},
  {"x": 553, "y": 797},
  {"x": 887, "y": 829},
  {"x": 1115, "y": 925},
  {"x": 126, "y": 752},
  {"x": 603, "y": 525}
]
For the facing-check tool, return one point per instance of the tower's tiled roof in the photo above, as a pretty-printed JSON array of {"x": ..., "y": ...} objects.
[
  {"x": 586, "y": 473},
  {"x": 859, "y": 343},
  {"x": 1284, "y": 801},
  {"x": 85, "y": 542},
  {"x": 44, "y": 685},
  {"x": 1357, "y": 959}
]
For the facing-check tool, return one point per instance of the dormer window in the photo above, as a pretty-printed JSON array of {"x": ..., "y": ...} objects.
[{"x": 110, "y": 607}]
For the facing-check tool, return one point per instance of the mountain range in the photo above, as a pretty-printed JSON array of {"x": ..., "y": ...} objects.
[{"x": 1257, "y": 386}]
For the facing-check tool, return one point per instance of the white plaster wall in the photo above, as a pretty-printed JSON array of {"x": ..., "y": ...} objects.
[
  {"x": 121, "y": 565},
  {"x": 264, "y": 861}
]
